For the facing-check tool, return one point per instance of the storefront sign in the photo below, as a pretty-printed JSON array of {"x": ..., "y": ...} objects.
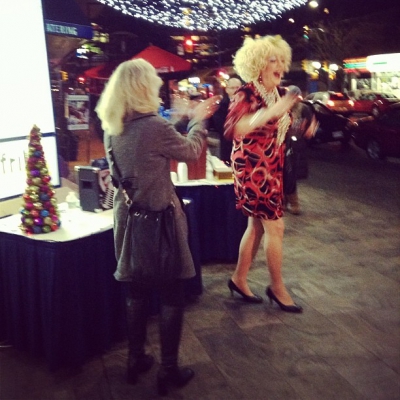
[
  {"x": 355, "y": 64},
  {"x": 384, "y": 62},
  {"x": 66, "y": 29}
]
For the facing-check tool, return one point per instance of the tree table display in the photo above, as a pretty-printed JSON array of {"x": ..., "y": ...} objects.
[{"x": 40, "y": 212}]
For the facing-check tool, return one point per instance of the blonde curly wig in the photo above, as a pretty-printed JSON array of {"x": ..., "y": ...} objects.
[
  {"x": 133, "y": 86},
  {"x": 252, "y": 57}
]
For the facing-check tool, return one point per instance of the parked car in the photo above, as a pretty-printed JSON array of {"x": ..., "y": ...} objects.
[
  {"x": 374, "y": 103},
  {"x": 336, "y": 101},
  {"x": 379, "y": 136},
  {"x": 332, "y": 126}
]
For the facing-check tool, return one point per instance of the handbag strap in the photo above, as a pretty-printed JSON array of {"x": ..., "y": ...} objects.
[{"x": 125, "y": 183}]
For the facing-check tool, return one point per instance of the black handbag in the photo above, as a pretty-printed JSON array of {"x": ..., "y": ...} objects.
[
  {"x": 289, "y": 169},
  {"x": 155, "y": 256}
]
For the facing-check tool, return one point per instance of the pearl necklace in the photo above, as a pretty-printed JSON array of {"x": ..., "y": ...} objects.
[{"x": 270, "y": 98}]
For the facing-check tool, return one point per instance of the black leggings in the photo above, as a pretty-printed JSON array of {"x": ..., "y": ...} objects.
[{"x": 172, "y": 295}]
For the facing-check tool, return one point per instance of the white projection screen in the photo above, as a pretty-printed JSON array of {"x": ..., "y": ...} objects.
[{"x": 25, "y": 94}]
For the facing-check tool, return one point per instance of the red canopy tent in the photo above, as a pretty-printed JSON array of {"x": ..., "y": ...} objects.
[
  {"x": 163, "y": 61},
  {"x": 102, "y": 72},
  {"x": 168, "y": 66}
]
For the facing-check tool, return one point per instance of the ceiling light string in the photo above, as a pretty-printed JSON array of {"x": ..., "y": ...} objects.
[{"x": 205, "y": 15}]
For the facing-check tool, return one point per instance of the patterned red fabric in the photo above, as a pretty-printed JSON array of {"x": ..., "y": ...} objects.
[{"x": 257, "y": 160}]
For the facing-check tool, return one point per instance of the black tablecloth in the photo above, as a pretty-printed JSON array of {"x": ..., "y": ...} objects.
[
  {"x": 220, "y": 226},
  {"x": 60, "y": 300}
]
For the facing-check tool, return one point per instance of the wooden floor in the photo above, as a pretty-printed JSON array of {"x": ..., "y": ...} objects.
[{"x": 341, "y": 263}]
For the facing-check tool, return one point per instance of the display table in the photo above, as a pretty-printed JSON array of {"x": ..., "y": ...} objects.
[
  {"x": 220, "y": 226},
  {"x": 58, "y": 295}
]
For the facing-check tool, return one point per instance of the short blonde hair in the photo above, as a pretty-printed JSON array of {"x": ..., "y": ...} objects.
[
  {"x": 133, "y": 86},
  {"x": 252, "y": 57}
]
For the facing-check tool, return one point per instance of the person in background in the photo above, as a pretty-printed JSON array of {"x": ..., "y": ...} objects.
[
  {"x": 217, "y": 121},
  {"x": 257, "y": 123},
  {"x": 295, "y": 166},
  {"x": 143, "y": 144}
]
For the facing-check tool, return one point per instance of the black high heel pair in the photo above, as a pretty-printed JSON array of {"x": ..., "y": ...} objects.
[
  {"x": 249, "y": 299},
  {"x": 293, "y": 308},
  {"x": 172, "y": 376}
]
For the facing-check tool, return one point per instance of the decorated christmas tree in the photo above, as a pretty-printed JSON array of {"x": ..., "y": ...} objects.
[{"x": 40, "y": 211}]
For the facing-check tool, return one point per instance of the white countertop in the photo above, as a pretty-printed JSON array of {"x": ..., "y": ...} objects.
[{"x": 75, "y": 224}]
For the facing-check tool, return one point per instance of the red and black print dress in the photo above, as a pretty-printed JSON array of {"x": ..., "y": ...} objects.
[{"x": 257, "y": 160}]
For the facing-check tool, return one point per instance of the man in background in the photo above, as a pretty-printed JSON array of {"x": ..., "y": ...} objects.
[{"x": 218, "y": 119}]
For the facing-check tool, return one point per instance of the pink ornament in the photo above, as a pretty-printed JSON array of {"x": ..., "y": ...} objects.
[
  {"x": 29, "y": 206},
  {"x": 54, "y": 218},
  {"x": 35, "y": 213}
]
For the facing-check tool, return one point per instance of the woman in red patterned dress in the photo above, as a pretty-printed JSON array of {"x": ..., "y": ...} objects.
[{"x": 257, "y": 122}]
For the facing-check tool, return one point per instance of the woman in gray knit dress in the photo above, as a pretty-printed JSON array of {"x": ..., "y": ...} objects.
[{"x": 143, "y": 144}]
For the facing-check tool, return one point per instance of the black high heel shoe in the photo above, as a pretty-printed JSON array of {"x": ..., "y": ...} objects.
[
  {"x": 172, "y": 375},
  {"x": 141, "y": 365},
  {"x": 249, "y": 299},
  {"x": 293, "y": 309}
]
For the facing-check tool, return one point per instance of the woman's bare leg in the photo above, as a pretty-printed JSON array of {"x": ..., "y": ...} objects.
[
  {"x": 273, "y": 247},
  {"x": 247, "y": 250}
]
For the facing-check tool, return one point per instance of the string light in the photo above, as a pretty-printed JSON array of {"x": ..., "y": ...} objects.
[{"x": 205, "y": 15}]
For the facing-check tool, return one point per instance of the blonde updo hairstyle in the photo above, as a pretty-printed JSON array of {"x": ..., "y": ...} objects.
[
  {"x": 253, "y": 56},
  {"x": 133, "y": 86}
]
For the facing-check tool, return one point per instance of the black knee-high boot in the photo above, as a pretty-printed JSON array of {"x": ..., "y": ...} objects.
[
  {"x": 171, "y": 319},
  {"x": 136, "y": 316}
]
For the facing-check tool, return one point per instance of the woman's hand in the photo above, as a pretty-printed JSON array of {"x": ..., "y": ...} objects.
[
  {"x": 251, "y": 121},
  {"x": 284, "y": 104},
  {"x": 205, "y": 109},
  {"x": 312, "y": 129},
  {"x": 180, "y": 108}
]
